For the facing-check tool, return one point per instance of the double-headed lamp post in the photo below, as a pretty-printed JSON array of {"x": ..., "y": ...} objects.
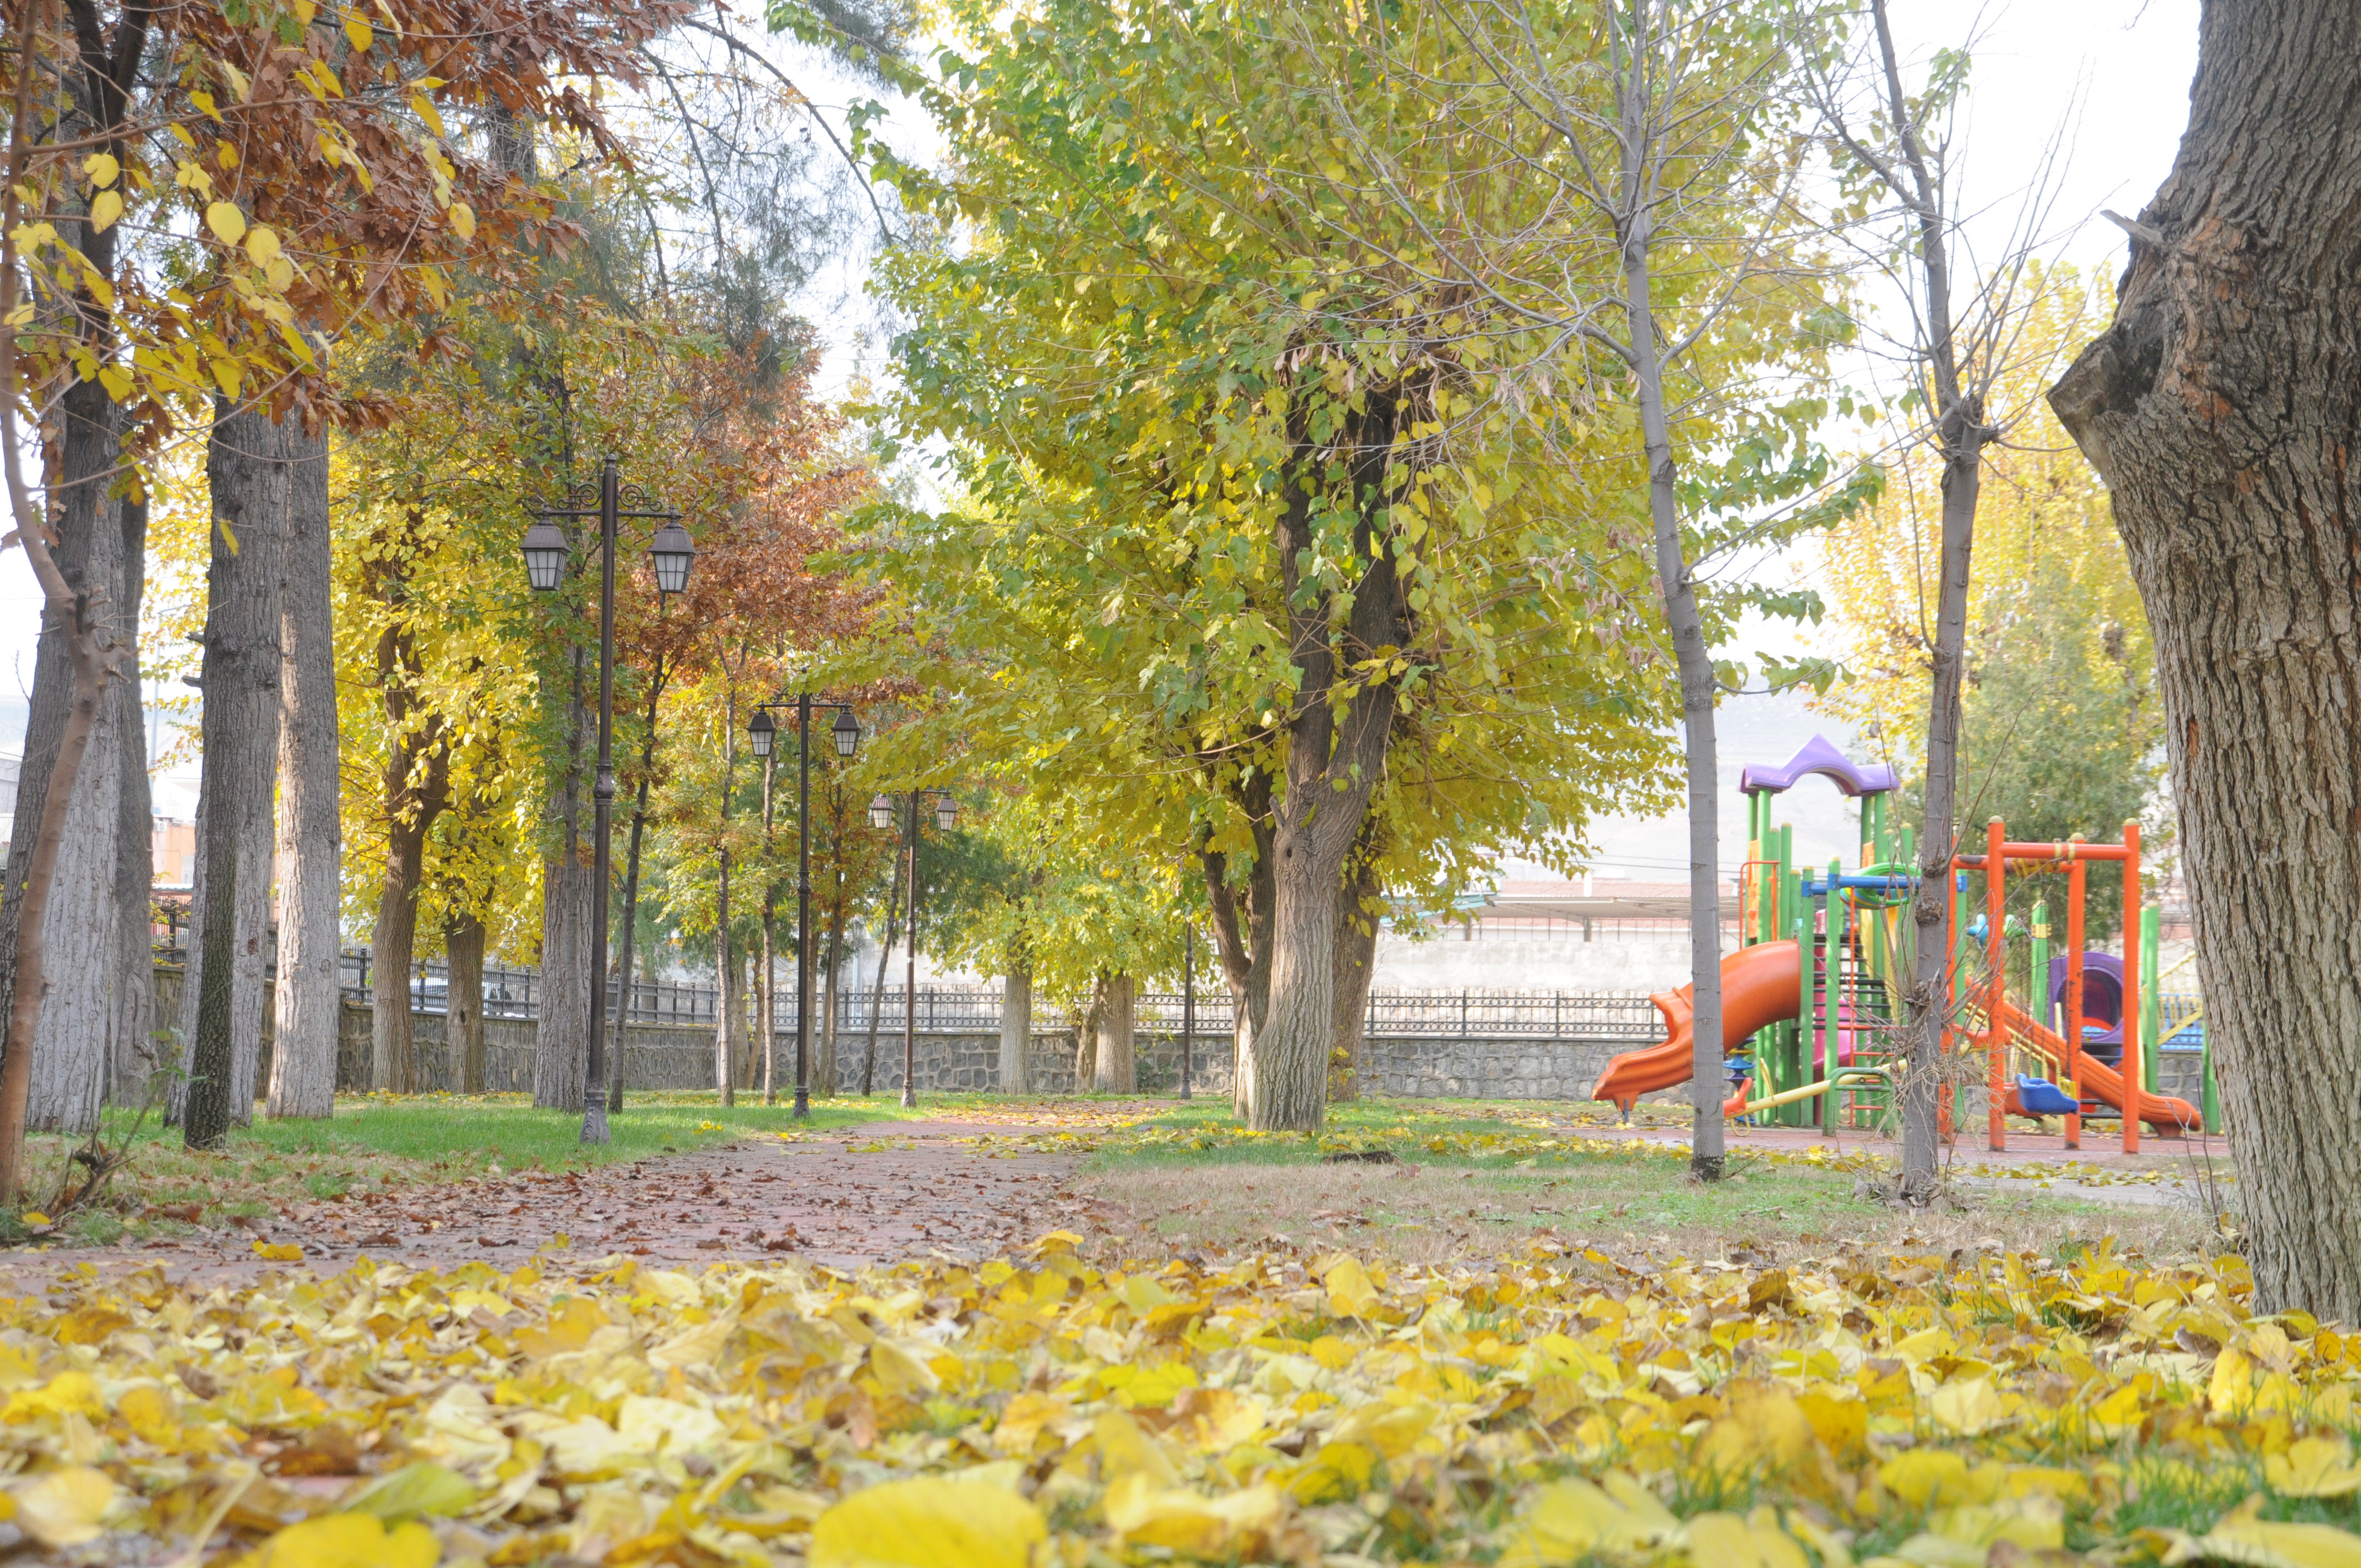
[
  {"x": 846, "y": 733},
  {"x": 881, "y": 815},
  {"x": 546, "y": 552}
]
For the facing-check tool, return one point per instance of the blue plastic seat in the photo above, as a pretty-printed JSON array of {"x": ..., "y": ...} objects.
[{"x": 2042, "y": 1097}]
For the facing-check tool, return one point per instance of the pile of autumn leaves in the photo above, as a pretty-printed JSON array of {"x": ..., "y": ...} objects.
[{"x": 1545, "y": 1409}]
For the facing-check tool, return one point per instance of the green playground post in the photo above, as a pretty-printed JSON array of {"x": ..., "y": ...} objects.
[
  {"x": 2037, "y": 974},
  {"x": 2211, "y": 1110},
  {"x": 2151, "y": 1000}
]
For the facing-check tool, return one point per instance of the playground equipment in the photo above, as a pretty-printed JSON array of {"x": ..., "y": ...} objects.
[{"x": 1810, "y": 1024}]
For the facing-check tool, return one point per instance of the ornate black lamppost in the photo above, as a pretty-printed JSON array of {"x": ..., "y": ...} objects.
[
  {"x": 846, "y": 733},
  {"x": 881, "y": 815},
  {"x": 546, "y": 550}
]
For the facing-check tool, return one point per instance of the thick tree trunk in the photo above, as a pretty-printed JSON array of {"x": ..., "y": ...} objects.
[
  {"x": 304, "y": 1039},
  {"x": 132, "y": 1046},
  {"x": 73, "y": 1041},
  {"x": 463, "y": 1023},
  {"x": 1333, "y": 762},
  {"x": 2222, "y": 407},
  {"x": 1086, "y": 1039},
  {"x": 393, "y": 952},
  {"x": 1242, "y": 936},
  {"x": 1357, "y": 954},
  {"x": 1017, "y": 1030},
  {"x": 1116, "y": 1070},
  {"x": 247, "y": 468},
  {"x": 561, "y": 1049}
]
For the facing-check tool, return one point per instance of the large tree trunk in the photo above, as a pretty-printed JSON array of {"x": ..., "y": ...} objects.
[
  {"x": 561, "y": 1035},
  {"x": 463, "y": 1020},
  {"x": 727, "y": 1022},
  {"x": 304, "y": 1039},
  {"x": 72, "y": 1043},
  {"x": 2222, "y": 407},
  {"x": 132, "y": 1040},
  {"x": 1017, "y": 1030},
  {"x": 1116, "y": 1070},
  {"x": 1333, "y": 762},
  {"x": 1356, "y": 952},
  {"x": 393, "y": 946},
  {"x": 246, "y": 467},
  {"x": 1242, "y": 936}
]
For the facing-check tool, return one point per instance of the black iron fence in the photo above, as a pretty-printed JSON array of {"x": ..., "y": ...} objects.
[{"x": 1467, "y": 1014}]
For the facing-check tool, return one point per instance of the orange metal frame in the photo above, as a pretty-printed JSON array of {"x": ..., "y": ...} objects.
[{"x": 2071, "y": 858}]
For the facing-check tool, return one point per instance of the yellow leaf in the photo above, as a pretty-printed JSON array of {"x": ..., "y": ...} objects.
[
  {"x": 147, "y": 1410},
  {"x": 262, "y": 245},
  {"x": 1727, "y": 1541},
  {"x": 698, "y": 1346},
  {"x": 350, "y": 1541},
  {"x": 1176, "y": 1517},
  {"x": 1350, "y": 1294},
  {"x": 1968, "y": 1408},
  {"x": 414, "y": 1491},
  {"x": 226, "y": 222},
  {"x": 2312, "y": 1467},
  {"x": 90, "y": 1325},
  {"x": 463, "y": 219},
  {"x": 105, "y": 209},
  {"x": 423, "y": 107},
  {"x": 1765, "y": 1430},
  {"x": 229, "y": 373},
  {"x": 1126, "y": 1450},
  {"x": 2240, "y": 1537},
  {"x": 274, "y": 1252},
  {"x": 901, "y": 1369},
  {"x": 358, "y": 33},
  {"x": 62, "y": 1508},
  {"x": 101, "y": 169},
  {"x": 35, "y": 1217},
  {"x": 1571, "y": 1520},
  {"x": 1388, "y": 1429},
  {"x": 928, "y": 1524},
  {"x": 69, "y": 1393}
]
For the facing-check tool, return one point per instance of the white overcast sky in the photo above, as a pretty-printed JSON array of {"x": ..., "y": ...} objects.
[{"x": 2127, "y": 64}]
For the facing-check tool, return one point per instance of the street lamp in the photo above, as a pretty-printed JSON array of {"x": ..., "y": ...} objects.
[
  {"x": 881, "y": 815},
  {"x": 846, "y": 733},
  {"x": 546, "y": 551}
]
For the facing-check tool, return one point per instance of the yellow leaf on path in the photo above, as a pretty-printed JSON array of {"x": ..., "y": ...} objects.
[
  {"x": 147, "y": 1410},
  {"x": 68, "y": 1392},
  {"x": 226, "y": 222},
  {"x": 1179, "y": 1519},
  {"x": 697, "y": 1347},
  {"x": 1570, "y": 1520},
  {"x": 1968, "y": 1408},
  {"x": 1765, "y": 1430},
  {"x": 90, "y": 1325},
  {"x": 350, "y": 1541},
  {"x": 2312, "y": 1467},
  {"x": 416, "y": 1491},
  {"x": 901, "y": 1369},
  {"x": 2240, "y": 1537},
  {"x": 278, "y": 1252},
  {"x": 1126, "y": 1450},
  {"x": 62, "y": 1508},
  {"x": 1350, "y": 1294},
  {"x": 928, "y": 1524},
  {"x": 1388, "y": 1429},
  {"x": 1727, "y": 1541}
]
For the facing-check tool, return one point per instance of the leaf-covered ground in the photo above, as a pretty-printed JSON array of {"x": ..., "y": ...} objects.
[{"x": 1481, "y": 1350}]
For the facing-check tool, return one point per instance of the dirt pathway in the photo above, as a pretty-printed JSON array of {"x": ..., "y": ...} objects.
[{"x": 846, "y": 1200}]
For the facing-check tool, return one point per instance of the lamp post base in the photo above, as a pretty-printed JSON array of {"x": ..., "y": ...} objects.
[
  {"x": 909, "y": 1098},
  {"x": 594, "y": 1121},
  {"x": 803, "y": 1104}
]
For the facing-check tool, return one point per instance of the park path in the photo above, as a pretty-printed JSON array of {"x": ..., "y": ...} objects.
[{"x": 844, "y": 1199}]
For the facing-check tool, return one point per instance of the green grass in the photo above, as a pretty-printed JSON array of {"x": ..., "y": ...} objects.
[{"x": 383, "y": 1141}]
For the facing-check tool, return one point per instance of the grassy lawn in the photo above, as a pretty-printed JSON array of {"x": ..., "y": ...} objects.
[{"x": 383, "y": 1142}]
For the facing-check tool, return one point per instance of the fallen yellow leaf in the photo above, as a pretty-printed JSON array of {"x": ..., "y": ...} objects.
[
  {"x": 63, "y": 1507},
  {"x": 928, "y": 1523}
]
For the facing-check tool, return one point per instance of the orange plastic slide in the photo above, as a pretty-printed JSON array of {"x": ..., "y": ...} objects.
[
  {"x": 2100, "y": 1081},
  {"x": 1759, "y": 986}
]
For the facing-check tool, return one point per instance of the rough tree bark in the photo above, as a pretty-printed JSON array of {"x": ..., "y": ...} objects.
[
  {"x": 1356, "y": 960},
  {"x": 1333, "y": 762},
  {"x": 626, "y": 943},
  {"x": 246, "y": 469},
  {"x": 73, "y": 1041},
  {"x": 132, "y": 1040},
  {"x": 823, "y": 1072},
  {"x": 729, "y": 1020},
  {"x": 2222, "y": 407},
  {"x": 1017, "y": 1030},
  {"x": 1115, "y": 1067},
  {"x": 1086, "y": 1039},
  {"x": 303, "y": 1037},
  {"x": 1241, "y": 917},
  {"x": 463, "y": 1018}
]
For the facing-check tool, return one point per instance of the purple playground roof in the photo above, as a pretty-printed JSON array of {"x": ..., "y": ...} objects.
[{"x": 1817, "y": 756}]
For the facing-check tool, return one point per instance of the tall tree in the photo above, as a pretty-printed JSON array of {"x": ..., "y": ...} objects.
[
  {"x": 2221, "y": 407},
  {"x": 311, "y": 852}
]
